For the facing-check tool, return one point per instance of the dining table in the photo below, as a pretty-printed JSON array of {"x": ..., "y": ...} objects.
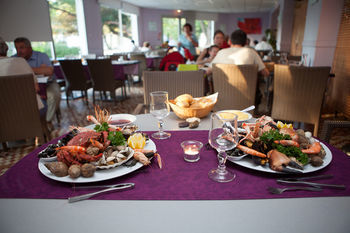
[{"x": 177, "y": 198}]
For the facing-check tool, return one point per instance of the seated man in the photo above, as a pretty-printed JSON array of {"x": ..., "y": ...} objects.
[
  {"x": 18, "y": 66},
  {"x": 238, "y": 54},
  {"x": 41, "y": 65}
]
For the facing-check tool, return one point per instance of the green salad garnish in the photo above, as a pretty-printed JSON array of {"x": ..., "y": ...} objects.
[{"x": 291, "y": 151}]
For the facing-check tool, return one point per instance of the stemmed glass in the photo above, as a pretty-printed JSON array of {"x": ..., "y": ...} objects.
[
  {"x": 223, "y": 136},
  {"x": 159, "y": 108}
]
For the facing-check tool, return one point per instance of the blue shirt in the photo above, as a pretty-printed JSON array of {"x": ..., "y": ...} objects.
[
  {"x": 188, "y": 44},
  {"x": 37, "y": 59}
]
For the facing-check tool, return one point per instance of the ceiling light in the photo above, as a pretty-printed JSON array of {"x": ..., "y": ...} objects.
[{"x": 178, "y": 11}]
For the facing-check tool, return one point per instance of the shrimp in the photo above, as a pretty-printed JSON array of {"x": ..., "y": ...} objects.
[
  {"x": 287, "y": 143},
  {"x": 92, "y": 119},
  {"x": 72, "y": 149},
  {"x": 96, "y": 144},
  {"x": 159, "y": 160},
  {"x": 251, "y": 151},
  {"x": 315, "y": 148}
]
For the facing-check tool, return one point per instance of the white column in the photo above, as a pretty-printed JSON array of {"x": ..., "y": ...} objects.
[
  {"x": 321, "y": 30},
  {"x": 79, "y": 6},
  {"x": 285, "y": 25},
  {"x": 90, "y": 26}
]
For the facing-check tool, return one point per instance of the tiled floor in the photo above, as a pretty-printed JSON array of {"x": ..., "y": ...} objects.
[{"x": 76, "y": 112}]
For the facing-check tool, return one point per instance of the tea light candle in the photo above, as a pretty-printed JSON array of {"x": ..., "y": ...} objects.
[{"x": 191, "y": 150}]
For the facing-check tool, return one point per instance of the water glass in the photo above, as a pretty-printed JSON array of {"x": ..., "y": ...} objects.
[{"x": 160, "y": 109}]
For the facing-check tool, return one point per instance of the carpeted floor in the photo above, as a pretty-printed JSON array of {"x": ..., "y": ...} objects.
[{"x": 76, "y": 112}]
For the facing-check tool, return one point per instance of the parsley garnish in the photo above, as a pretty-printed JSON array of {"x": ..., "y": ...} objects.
[
  {"x": 116, "y": 138},
  {"x": 103, "y": 127}
]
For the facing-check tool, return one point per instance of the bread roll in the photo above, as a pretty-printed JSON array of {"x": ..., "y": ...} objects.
[
  {"x": 184, "y": 98},
  {"x": 182, "y": 104},
  {"x": 201, "y": 103}
]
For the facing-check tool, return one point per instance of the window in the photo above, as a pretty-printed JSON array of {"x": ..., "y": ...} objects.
[
  {"x": 172, "y": 28},
  {"x": 64, "y": 30},
  {"x": 114, "y": 39},
  {"x": 205, "y": 33}
]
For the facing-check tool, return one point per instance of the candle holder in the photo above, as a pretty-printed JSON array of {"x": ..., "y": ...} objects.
[{"x": 191, "y": 150}]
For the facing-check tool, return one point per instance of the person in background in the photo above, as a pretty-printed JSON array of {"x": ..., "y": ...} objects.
[
  {"x": 212, "y": 50},
  {"x": 219, "y": 41},
  {"x": 188, "y": 40},
  {"x": 263, "y": 45},
  {"x": 134, "y": 47},
  {"x": 255, "y": 42},
  {"x": 146, "y": 47},
  {"x": 18, "y": 66},
  {"x": 248, "y": 44},
  {"x": 41, "y": 65},
  {"x": 238, "y": 54}
]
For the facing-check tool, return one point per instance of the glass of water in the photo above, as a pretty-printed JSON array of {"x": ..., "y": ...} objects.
[
  {"x": 223, "y": 136},
  {"x": 159, "y": 108}
]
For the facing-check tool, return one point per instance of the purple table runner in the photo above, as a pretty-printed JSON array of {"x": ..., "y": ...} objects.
[{"x": 178, "y": 180}]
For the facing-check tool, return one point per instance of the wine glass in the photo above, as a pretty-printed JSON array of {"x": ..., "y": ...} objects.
[
  {"x": 223, "y": 136},
  {"x": 159, "y": 108}
]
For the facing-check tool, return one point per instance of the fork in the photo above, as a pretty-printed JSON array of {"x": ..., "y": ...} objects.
[{"x": 281, "y": 190}]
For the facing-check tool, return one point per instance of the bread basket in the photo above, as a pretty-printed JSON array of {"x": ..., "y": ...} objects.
[{"x": 185, "y": 113}]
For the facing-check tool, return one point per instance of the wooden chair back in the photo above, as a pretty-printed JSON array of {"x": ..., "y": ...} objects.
[
  {"x": 236, "y": 85},
  {"x": 175, "y": 83},
  {"x": 298, "y": 93},
  {"x": 20, "y": 117}
]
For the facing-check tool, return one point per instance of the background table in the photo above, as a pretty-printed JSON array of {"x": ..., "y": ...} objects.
[{"x": 329, "y": 214}]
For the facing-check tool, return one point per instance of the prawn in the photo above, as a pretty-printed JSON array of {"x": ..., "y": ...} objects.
[
  {"x": 287, "y": 143},
  {"x": 96, "y": 144},
  {"x": 73, "y": 149},
  {"x": 315, "y": 148},
  {"x": 251, "y": 151},
  {"x": 141, "y": 157}
]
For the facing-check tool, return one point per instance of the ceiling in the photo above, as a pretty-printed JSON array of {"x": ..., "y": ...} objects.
[{"x": 224, "y": 6}]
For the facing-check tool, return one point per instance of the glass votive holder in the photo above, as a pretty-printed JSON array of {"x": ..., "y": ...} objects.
[{"x": 191, "y": 150}]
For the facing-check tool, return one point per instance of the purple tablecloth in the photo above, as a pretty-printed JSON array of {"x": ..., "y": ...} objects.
[{"x": 178, "y": 180}]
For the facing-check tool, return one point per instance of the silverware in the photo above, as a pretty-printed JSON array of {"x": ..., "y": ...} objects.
[
  {"x": 336, "y": 186},
  {"x": 308, "y": 178},
  {"x": 281, "y": 190},
  {"x": 248, "y": 109},
  {"x": 101, "y": 186},
  {"x": 89, "y": 195}
]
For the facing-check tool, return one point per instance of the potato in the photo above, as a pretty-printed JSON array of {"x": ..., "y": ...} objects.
[
  {"x": 88, "y": 170},
  {"x": 316, "y": 161},
  {"x": 74, "y": 171},
  {"x": 59, "y": 169}
]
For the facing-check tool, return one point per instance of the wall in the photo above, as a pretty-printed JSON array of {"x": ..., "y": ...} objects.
[
  {"x": 285, "y": 25},
  {"x": 224, "y": 21},
  {"x": 321, "y": 29}
]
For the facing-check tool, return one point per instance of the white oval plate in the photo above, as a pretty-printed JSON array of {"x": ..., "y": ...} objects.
[
  {"x": 99, "y": 175},
  {"x": 248, "y": 163},
  {"x": 128, "y": 117},
  {"x": 238, "y": 113}
]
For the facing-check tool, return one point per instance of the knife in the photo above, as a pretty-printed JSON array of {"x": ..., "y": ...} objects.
[
  {"x": 88, "y": 195},
  {"x": 313, "y": 184},
  {"x": 307, "y": 178}
]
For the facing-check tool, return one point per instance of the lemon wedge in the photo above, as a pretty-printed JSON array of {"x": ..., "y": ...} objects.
[
  {"x": 280, "y": 124},
  {"x": 137, "y": 141}
]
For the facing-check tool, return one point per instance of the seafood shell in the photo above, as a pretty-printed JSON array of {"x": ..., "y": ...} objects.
[{"x": 119, "y": 157}]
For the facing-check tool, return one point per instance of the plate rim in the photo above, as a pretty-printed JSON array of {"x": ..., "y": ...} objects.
[
  {"x": 80, "y": 180},
  {"x": 269, "y": 170}
]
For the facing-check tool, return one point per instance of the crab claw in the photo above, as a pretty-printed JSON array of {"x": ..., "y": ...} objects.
[{"x": 279, "y": 162}]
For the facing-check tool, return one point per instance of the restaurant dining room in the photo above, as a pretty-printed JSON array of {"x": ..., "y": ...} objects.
[{"x": 175, "y": 116}]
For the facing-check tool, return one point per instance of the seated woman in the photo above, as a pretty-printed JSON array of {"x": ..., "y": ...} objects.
[
  {"x": 219, "y": 41},
  {"x": 212, "y": 50}
]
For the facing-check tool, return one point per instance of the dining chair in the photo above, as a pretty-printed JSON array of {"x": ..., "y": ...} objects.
[
  {"x": 175, "y": 83},
  {"x": 236, "y": 85},
  {"x": 298, "y": 93},
  {"x": 20, "y": 117},
  {"x": 101, "y": 71},
  {"x": 75, "y": 77},
  {"x": 142, "y": 64}
]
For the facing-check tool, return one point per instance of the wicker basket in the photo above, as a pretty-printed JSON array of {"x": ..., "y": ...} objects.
[{"x": 185, "y": 113}]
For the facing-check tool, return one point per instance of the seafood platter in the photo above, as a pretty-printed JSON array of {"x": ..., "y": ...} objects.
[
  {"x": 107, "y": 151},
  {"x": 278, "y": 148}
]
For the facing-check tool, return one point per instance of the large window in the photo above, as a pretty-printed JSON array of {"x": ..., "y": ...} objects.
[
  {"x": 172, "y": 28},
  {"x": 64, "y": 29},
  {"x": 205, "y": 33},
  {"x": 114, "y": 39}
]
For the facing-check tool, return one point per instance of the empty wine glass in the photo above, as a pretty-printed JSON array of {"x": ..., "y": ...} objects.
[
  {"x": 159, "y": 108},
  {"x": 223, "y": 136}
]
